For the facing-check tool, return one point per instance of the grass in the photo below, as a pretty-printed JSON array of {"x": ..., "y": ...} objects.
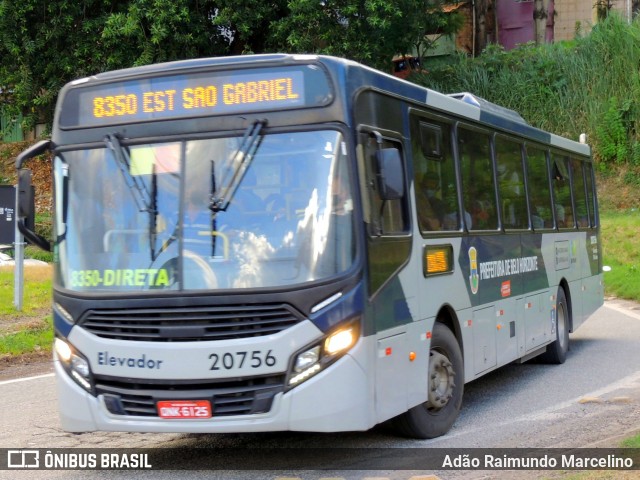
[
  {"x": 36, "y": 338},
  {"x": 633, "y": 442},
  {"x": 621, "y": 251},
  {"x": 37, "y": 291},
  {"x": 30, "y": 330}
]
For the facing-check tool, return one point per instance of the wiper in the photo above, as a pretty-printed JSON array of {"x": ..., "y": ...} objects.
[
  {"x": 141, "y": 195},
  {"x": 233, "y": 174}
]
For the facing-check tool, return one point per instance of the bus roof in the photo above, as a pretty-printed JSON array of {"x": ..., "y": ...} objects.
[{"x": 355, "y": 75}]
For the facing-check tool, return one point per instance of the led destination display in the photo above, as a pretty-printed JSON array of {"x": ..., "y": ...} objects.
[{"x": 195, "y": 95}]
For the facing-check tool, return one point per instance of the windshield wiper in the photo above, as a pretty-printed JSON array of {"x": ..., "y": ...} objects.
[
  {"x": 222, "y": 193},
  {"x": 141, "y": 195}
]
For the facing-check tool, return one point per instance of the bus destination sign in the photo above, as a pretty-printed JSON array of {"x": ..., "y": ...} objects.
[{"x": 194, "y": 95}]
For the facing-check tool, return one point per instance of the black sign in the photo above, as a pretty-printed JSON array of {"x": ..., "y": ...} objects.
[{"x": 8, "y": 214}]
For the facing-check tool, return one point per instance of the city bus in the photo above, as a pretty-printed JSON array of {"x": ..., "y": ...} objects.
[{"x": 302, "y": 243}]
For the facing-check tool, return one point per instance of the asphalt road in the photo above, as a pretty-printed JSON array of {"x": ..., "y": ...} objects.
[{"x": 593, "y": 397}]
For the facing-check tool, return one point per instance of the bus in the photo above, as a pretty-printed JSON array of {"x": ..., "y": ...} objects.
[{"x": 302, "y": 243}]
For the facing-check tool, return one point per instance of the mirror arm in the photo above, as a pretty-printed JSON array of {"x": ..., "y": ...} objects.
[
  {"x": 33, "y": 151},
  {"x": 33, "y": 237}
]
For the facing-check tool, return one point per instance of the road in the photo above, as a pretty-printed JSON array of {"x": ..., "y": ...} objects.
[{"x": 591, "y": 400}]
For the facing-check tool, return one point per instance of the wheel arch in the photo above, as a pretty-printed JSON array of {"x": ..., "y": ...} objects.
[
  {"x": 447, "y": 316},
  {"x": 567, "y": 294}
]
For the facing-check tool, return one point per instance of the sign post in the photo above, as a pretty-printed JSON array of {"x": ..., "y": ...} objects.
[{"x": 18, "y": 276}]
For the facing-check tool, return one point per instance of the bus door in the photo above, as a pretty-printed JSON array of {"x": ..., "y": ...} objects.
[{"x": 392, "y": 293}]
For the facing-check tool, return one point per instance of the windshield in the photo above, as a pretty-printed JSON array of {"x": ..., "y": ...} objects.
[{"x": 145, "y": 217}]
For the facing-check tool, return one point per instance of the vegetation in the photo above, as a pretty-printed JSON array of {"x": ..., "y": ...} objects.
[
  {"x": 29, "y": 331},
  {"x": 46, "y": 43},
  {"x": 632, "y": 442},
  {"x": 584, "y": 86},
  {"x": 622, "y": 253}
]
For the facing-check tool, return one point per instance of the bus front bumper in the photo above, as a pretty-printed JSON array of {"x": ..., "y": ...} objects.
[{"x": 337, "y": 399}]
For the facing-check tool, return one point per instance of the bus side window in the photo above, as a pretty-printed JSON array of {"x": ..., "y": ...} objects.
[
  {"x": 579, "y": 194},
  {"x": 388, "y": 217},
  {"x": 511, "y": 184},
  {"x": 539, "y": 191},
  {"x": 478, "y": 189},
  {"x": 562, "y": 192},
  {"x": 591, "y": 195},
  {"x": 434, "y": 176}
]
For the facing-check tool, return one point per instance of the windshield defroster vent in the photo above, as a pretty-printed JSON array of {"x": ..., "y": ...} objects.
[{"x": 190, "y": 324}]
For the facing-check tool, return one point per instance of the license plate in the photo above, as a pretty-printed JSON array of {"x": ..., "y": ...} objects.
[{"x": 184, "y": 409}]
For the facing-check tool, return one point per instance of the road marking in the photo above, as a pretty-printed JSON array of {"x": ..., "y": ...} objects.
[
  {"x": 624, "y": 311},
  {"x": 26, "y": 379}
]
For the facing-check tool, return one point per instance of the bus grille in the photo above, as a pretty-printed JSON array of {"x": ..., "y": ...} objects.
[
  {"x": 245, "y": 397},
  {"x": 190, "y": 324}
]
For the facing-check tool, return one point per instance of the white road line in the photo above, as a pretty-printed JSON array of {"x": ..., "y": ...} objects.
[
  {"x": 26, "y": 379},
  {"x": 624, "y": 311}
]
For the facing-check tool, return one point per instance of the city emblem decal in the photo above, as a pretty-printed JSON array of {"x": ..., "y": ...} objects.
[{"x": 474, "y": 278}]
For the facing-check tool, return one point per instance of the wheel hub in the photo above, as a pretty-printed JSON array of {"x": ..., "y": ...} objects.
[{"x": 441, "y": 381}]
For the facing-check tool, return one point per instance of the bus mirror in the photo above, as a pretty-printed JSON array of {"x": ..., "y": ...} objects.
[
  {"x": 390, "y": 174},
  {"x": 25, "y": 194}
]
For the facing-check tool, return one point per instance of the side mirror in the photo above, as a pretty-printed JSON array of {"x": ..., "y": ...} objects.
[
  {"x": 25, "y": 194},
  {"x": 25, "y": 207},
  {"x": 390, "y": 174}
]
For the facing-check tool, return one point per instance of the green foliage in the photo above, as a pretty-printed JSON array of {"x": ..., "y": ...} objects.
[
  {"x": 588, "y": 85},
  {"x": 46, "y": 43},
  {"x": 612, "y": 132},
  {"x": 151, "y": 31}
]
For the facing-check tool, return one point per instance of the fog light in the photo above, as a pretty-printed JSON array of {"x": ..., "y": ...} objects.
[
  {"x": 301, "y": 377},
  {"x": 307, "y": 359},
  {"x": 81, "y": 372}
]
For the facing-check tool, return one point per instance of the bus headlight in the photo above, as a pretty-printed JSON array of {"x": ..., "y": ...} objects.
[
  {"x": 315, "y": 358},
  {"x": 75, "y": 364}
]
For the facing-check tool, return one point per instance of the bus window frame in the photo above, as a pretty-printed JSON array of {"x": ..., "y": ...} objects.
[
  {"x": 396, "y": 139},
  {"x": 423, "y": 115},
  {"x": 523, "y": 165},
  {"x": 547, "y": 159},
  {"x": 566, "y": 156},
  {"x": 489, "y": 133},
  {"x": 581, "y": 162}
]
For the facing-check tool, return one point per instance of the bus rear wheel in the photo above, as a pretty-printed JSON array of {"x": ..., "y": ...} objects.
[
  {"x": 446, "y": 385},
  {"x": 557, "y": 351}
]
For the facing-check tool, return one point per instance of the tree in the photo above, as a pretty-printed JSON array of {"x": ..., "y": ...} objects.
[
  {"x": 152, "y": 31},
  {"x": 369, "y": 31},
  {"x": 47, "y": 43},
  {"x": 43, "y": 44},
  {"x": 431, "y": 21},
  {"x": 540, "y": 15},
  {"x": 481, "y": 7}
]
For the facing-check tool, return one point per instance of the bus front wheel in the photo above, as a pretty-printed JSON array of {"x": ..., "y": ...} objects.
[{"x": 445, "y": 384}]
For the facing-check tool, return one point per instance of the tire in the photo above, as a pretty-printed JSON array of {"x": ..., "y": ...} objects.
[
  {"x": 557, "y": 351},
  {"x": 446, "y": 385}
]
